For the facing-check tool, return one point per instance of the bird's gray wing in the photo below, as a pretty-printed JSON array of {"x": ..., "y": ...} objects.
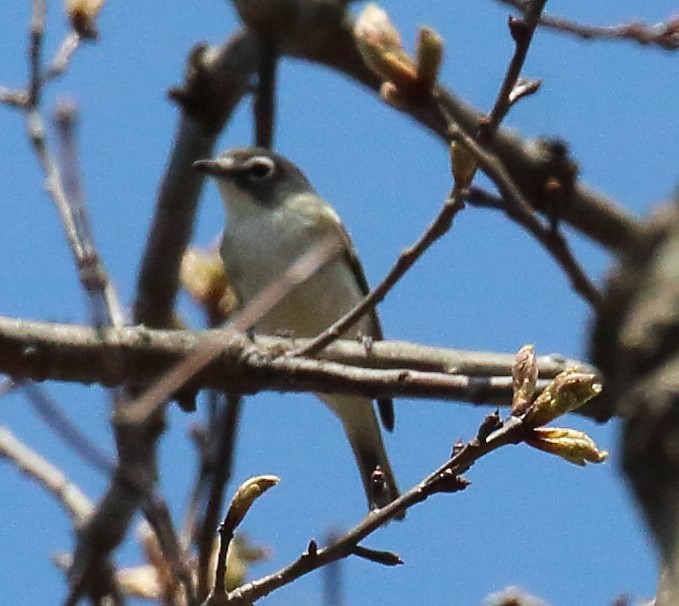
[{"x": 384, "y": 405}]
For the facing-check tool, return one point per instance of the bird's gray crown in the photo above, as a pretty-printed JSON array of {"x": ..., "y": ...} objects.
[{"x": 266, "y": 175}]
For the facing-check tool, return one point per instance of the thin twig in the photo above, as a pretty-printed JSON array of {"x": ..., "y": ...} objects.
[
  {"x": 265, "y": 95},
  {"x": 37, "y": 29},
  {"x": 223, "y": 436},
  {"x": 386, "y": 558},
  {"x": 333, "y": 579},
  {"x": 64, "y": 428},
  {"x": 522, "y": 32},
  {"x": 17, "y": 99},
  {"x": 664, "y": 34},
  {"x": 405, "y": 261},
  {"x": 520, "y": 211},
  {"x": 105, "y": 306},
  {"x": 73, "y": 500},
  {"x": 226, "y": 532},
  {"x": 69, "y": 45},
  {"x": 63, "y": 183},
  {"x": 512, "y": 432},
  {"x": 158, "y": 516}
]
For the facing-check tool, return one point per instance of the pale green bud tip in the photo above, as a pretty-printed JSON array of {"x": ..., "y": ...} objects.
[
  {"x": 574, "y": 446},
  {"x": 429, "y": 57},
  {"x": 463, "y": 164},
  {"x": 248, "y": 492},
  {"x": 569, "y": 390}
]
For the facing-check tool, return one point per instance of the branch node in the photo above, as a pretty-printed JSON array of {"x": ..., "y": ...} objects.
[
  {"x": 519, "y": 30},
  {"x": 491, "y": 423}
]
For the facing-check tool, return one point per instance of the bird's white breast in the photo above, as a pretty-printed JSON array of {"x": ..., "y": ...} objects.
[{"x": 259, "y": 246}]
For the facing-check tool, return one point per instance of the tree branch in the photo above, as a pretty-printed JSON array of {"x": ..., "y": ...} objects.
[
  {"x": 664, "y": 34},
  {"x": 332, "y": 44},
  {"x": 522, "y": 31},
  {"x": 439, "y": 226},
  {"x": 138, "y": 356},
  {"x": 445, "y": 479}
]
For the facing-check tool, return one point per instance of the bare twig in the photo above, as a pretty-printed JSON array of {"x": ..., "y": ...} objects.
[
  {"x": 512, "y": 432},
  {"x": 516, "y": 206},
  {"x": 64, "y": 187},
  {"x": 37, "y": 29},
  {"x": 55, "y": 186},
  {"x": 14, "y": 98},
  {"x": 69, "y": 45},
  {"x": 522, "y": 31},
  {"x": 386, "y": 558},
  {"x": 73, "y": 500},
  {"x": 405, "y": 261},
  {"x": 158, "y": 516},
  {"x": 105, "y": 306},
  {"x": 664, "y": 34},
  {"x": 265, "y": 95},
  {"x": 64, "y": 428},
  {"x": 333, "y": 579},
  {"x": 223, "y": 439}
]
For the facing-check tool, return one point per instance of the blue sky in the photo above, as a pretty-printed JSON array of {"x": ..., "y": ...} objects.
[{"x": 570, "y": 535}]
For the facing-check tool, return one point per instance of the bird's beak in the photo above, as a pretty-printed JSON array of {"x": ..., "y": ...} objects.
[{"x": 215, "y": 168}]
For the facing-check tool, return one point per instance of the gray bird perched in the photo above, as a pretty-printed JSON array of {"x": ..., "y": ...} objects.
[{"x": 274, "y": 216}]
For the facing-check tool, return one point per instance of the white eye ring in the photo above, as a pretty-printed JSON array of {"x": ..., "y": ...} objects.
[{"x": 259, "y": 168}]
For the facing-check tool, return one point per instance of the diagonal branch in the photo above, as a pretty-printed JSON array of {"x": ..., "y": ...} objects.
[
  {"x": 445, "y": 479},
  {"x": 518, "y": 209},
  {"x": 439, "y": 226},
  {"x": 522, "y": 32}
]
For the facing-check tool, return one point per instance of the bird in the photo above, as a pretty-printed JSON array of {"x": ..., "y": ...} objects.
[{"x": 274, "y": 215}]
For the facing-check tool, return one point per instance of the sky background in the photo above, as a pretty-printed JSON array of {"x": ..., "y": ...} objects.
[{"x": 569, "y": 535}]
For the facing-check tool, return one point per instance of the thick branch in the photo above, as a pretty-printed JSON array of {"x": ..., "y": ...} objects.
[{"x": 138, "y": 356}]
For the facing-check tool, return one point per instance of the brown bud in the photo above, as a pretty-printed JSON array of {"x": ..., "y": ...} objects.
[{"x": 83, "y": 15}]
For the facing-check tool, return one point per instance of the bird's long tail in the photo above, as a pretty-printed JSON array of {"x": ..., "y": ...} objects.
[{"x": 360, "y": 425}]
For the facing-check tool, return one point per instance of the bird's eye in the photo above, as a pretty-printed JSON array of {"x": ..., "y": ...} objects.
[{"x": 260, "y": 169}]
